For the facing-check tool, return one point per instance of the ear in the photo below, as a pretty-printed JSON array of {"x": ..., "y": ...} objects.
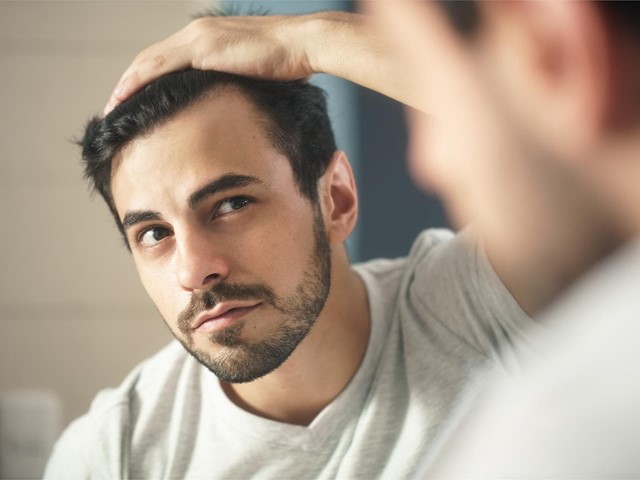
[
  {"x": 339, "y": 198},
  {"x": 552, "y": 62}
]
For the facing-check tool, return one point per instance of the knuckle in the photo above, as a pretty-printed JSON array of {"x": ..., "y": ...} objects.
[
  {"x": 142, "y": 54},
  {"x": 159, "y": 60},
  {"x": 141, "y": 57},
  {"x": 197, "y": 25}
]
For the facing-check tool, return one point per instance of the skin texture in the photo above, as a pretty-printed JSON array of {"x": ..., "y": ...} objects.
[
  {"x": 276, "y": 250},
  {"x": 244, "y": 361}
]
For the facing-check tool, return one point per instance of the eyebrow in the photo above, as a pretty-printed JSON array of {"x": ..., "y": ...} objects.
[
  {"x": 138, "y": 216},
  {"x": 226, "y": 182}
]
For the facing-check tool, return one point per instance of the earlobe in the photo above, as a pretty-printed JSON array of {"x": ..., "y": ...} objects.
[{"x": 339, "y": 198}]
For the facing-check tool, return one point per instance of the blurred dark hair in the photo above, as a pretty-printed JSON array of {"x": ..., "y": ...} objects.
[
  {"x": 623, "y": 14},
  {"x": 464, "y": 14},
  {"x": 294, "y": 115}
]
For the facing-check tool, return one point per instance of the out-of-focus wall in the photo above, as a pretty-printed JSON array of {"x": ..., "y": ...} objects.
[{"x": 73, "y": 316}]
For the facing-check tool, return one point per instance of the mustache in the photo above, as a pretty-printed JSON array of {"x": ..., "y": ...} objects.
[{"x": 222, "y": 292}]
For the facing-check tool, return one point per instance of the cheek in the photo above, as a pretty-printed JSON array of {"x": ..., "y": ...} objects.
[
  {"x": 279, "y": 255},
  {"x": 161, "y": 286},
  {"x": 275, "y": 249}
]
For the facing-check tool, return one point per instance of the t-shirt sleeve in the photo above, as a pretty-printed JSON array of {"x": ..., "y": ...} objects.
[
  {"x": 70, "y": 453},
  {"x": 95, "y": 445},
  {"x": 454, "y": 284}
]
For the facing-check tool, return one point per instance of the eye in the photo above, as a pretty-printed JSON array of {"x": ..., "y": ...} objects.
[
  {"x": 152, "y": 236},
  {"x": 232, "y": 204}
]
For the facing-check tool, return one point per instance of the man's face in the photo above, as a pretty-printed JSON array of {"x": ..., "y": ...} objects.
[{"x": 234, "y": 257}]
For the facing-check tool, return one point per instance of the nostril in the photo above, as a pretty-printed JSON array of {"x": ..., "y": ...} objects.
[{"x": 211, "y": 277}]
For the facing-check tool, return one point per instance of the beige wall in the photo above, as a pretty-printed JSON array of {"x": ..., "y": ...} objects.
[{"x": 73, "y": 317}]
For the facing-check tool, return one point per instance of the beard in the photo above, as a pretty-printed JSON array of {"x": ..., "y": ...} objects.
[{"x": 240, "y": 361}]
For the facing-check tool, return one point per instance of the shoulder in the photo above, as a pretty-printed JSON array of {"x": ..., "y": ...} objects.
[
  {"x": 447, "y": 283},
  {"x": 99, "y": 441},
  {"x": 457, "y": 285},
  {"x": 394, "y": 286},
  {"x": 146, "y": 381},
  {"x": 443, "y": 267},
  {"x": 440, "y": 260},
  {"x": 382, "y": 268},
  {"x": 430, "y": 249}
]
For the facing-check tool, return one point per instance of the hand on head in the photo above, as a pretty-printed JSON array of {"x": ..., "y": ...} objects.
[{"x": 260, "y": 46}]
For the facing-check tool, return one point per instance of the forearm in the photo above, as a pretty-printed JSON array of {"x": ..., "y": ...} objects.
[{"x": 350, "y": 46}]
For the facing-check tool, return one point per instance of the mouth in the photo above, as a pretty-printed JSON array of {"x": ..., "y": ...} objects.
[{"x": 223, "y": 315}]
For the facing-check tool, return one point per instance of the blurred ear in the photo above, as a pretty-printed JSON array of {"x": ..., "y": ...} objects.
[
  {"x": 551, "y": 60},
  {"x": 339, "y": 198}
]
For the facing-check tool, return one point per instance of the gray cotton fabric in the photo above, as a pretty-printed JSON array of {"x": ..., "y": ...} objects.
[
  {"x": 573, "y": 411},
  {"x": 437, "y": 317}
]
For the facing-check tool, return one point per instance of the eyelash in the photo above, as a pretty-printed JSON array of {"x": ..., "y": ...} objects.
[
  {"x": 247, "y": 200},
  {"x": 140, "y": 235}
]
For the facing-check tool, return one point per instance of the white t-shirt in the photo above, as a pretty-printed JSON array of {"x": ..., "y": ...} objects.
[
  {"x": 437, "y": 316},
  {"x": 574, "y": 412}
]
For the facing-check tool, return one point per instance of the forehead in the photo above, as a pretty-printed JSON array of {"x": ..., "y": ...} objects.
[{"x": 218, "y": 135}]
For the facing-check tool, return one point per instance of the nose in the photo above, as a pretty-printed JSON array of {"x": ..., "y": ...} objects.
[{"x": 200, "y": 263}]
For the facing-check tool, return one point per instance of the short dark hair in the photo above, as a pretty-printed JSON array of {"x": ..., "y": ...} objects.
[{"x": 294, "y": 114}]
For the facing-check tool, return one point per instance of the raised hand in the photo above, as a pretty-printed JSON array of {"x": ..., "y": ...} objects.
[{"x": 272, "y": 47}]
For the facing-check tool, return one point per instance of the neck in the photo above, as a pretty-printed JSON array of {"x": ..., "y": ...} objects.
[
  {"x": 594, "y": 212},
  {"x": 615, "y": 176},
  {"x": 323, "y": 364},
  {"x": 559, "y": 229}
]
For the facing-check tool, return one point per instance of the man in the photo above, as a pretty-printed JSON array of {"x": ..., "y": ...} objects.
[
  {"x": 543, "y": 95},
  {"x": 235, "y": 204},
  {"x": 537, "y": 140}
]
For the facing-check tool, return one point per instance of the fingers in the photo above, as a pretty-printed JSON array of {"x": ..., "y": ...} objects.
[
  {"x": 142, "y": 72},
  {"x": 257, "y": 47},
  {"x": 146, "y": 70},
  {"x": 163, "y": 57}
]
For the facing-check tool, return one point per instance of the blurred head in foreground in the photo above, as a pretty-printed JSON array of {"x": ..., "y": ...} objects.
[{"x": 535, "y": 134}]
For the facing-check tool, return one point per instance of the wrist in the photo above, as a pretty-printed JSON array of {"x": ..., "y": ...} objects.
[{"x": 318, "y": 34}]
